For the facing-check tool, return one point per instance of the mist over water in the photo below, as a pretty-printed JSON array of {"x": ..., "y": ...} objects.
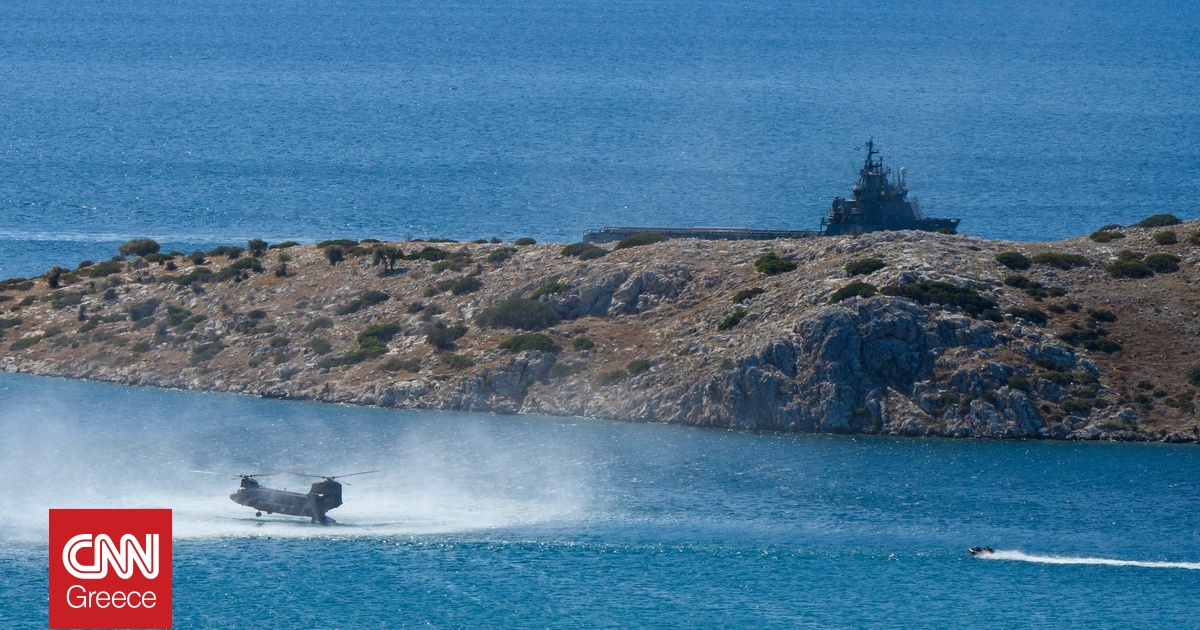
[
  {"x": 439, "y": 472},
  {"x": 491, "y": 520}
]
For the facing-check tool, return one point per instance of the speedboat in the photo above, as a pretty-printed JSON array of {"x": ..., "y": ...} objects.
[{"x": 981, "y": 551}]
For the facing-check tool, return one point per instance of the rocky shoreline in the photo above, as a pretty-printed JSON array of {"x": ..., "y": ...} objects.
[{"x": 904, "y": 333}]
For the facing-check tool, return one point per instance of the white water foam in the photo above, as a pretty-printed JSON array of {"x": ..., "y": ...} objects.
[
  {"x": 1021, "y": 556},
  {"x": 439, "y": 474}
]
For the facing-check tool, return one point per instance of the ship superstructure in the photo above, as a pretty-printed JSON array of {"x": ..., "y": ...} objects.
[{"x": 879, "y": 204}]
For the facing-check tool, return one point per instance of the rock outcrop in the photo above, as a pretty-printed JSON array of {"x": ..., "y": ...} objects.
[{"x": 938, "y": 339}]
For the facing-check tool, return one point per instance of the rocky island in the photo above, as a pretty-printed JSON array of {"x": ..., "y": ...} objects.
[{"x": 908, "y": 333}]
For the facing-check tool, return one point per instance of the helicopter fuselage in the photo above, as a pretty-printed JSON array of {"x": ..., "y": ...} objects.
[{"x": 323, "y": 496}]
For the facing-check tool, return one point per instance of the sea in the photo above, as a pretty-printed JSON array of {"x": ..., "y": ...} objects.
[
  {"x": 200, "y": 123},
  {"x": 491, "y": 521}
]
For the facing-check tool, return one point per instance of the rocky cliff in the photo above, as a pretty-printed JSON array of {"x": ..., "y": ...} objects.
[{"x": 895, "y": 333}]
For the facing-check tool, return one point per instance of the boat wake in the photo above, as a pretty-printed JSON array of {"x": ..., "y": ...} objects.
[{"x": 1020, "y": 556}]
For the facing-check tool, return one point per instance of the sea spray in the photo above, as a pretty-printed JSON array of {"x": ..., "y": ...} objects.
[{"x": 1021, "y": 556}]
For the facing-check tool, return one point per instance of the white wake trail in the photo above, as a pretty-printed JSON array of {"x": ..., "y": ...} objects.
[{"x": 1021, "y": 556}]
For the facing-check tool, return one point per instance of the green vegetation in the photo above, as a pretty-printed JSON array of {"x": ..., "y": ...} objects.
[
  {"x": 206, "y": 352},
  {"x": 637, "y": 366},
  {"x": 344, "y": 243},
  {"x": 455, "y": 361},
  {"x": 9, "y": 322},
  {"x": 232, "y": 252},
  {"x": 53, "y": 276},
  {"x": 16, "y": 284},
  {"x": 138, "y": 247},
  {"x": 563, "y": 370},
  {"x": 458, "y": 286},
  {"x": 283, "y": 245},
  {"x": 500, "y": 254},
  {"x": 65, "y": 299},
  {"x": 1132, "y": 268},
  {"x": 196, "y": 276},
  {"x": 141, "y": 347},
  {"x": 638, "y": 240},
  {"x": 519, "y": 313},
  {"x": 1033, "y": 288},
  {"x": 612, "y": 377},
  {"x": 1102, "y": 316},
  {"x": 945, "y": 294},
  {"x": 1076, "y": 405},
  {"x": 100, "y": 270},
  {"x": 156, "y": 258},
  {"x": 197, "y": 257},
  {"x": 1165, "y": 237},
  {"x": 442, "y": 336},
  {"x": 745, "y": 295},
  {"x": 1158, "y": 220},
  {"x": 143, "y": 309},
  {"x": 279, "y": 342},
  {"x": 1106, "y": 236},
  {"x": 547, "y": 289},
  {"x": 523, "y": 241},
  {"x": 864, "y": 266},
  {"x": 1194, "y": 239},
  {"x": 584, "y": 251},
  {"x": 335, "y": 254},
  {"x": 24, "y": 342},
  {"x": 582, "y": 343},
  {"x": 1017, "y": 381},
  {"x": 1091, "y": 339},
  {"x": 1066, "y": 262},
  {"x": 1162, "y": 263},
  {"x": 382, "y": 333},
  {"x": 1193, "y": 374},
  {"x": 732, "y": 320},
  {"x": 454, "y": 262},
  {"x": 320, "y": 346},
  {"x": 432, "y": 254},
  {"x": 946, "y": 230},
  {"x": 771, "y": 264},
  {"x": 366, "y": 300},
  {"x": 1031, "y": 315},
  {"x": 529, "y": 341},
  {"x": 239, "y": 270},
  {"x": 401, "y": 365},
  {"x": 858, "y": 288},
  {"x": 1013, "y": 260},
  {"x": 317, "y": 324}
]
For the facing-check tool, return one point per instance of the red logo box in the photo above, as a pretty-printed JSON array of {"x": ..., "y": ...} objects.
[{"x": 110, "y": 568}]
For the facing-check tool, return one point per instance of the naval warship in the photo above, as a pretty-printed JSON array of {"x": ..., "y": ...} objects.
[{"x": 876, "y": 205}]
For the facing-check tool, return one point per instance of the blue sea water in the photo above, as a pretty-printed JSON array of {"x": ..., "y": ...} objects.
[
  {"x": 486, "y": 521},
  {"x": 211, "y": 122},
  {"x": 200, "y": 123}
]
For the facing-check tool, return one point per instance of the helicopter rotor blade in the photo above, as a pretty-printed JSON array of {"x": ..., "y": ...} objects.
[
  {"x": 329, "y": 477},
  {"x": 234, "y": 475},
  {"x": 298, "y": 473},
  {"x": 365, "y": 472}
]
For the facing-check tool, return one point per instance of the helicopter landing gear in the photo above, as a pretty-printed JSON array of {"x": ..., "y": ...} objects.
[{"x": 258, "y": 513}]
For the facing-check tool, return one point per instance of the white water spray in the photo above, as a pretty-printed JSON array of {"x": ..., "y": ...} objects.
[{"x": 1020, "y": 556}]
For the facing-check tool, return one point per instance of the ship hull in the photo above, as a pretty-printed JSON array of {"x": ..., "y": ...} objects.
[{"x": 924, "y": 225}]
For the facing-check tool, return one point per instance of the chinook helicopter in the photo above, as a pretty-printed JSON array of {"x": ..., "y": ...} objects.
[{"x": 324, "y": 495}]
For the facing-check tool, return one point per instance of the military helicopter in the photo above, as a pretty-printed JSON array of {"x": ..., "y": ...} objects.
[{"x": 324, "y": 495}]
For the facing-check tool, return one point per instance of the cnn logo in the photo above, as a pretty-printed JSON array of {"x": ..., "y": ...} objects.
[{"x": 110, "y": 568}]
